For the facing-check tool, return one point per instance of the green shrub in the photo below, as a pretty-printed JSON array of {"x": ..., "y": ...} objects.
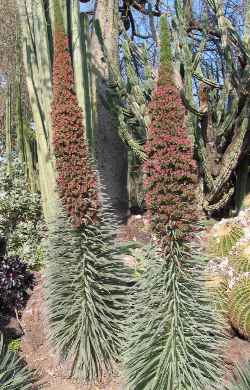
[
  {"x": 14, "y": 345},
  {"x": 20, "y": 216}
]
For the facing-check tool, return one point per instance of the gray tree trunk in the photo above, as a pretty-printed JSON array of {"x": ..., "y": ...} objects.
[{"x": 111, "y": 152}]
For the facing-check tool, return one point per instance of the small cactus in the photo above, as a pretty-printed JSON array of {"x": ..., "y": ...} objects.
[
  {"x": 223, "y": 239},
  {"x": 217, "y": 286},
  {"x": 221, "y": 301},
  {"x": 239, "y": 310},
  {"x": 239, "y": 258}
]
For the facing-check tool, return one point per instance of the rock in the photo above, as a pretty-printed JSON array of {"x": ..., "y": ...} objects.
[{"x": 10, "y": 327}]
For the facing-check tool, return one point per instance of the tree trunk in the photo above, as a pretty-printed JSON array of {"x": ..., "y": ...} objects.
[{"x": 111, "y": 152}]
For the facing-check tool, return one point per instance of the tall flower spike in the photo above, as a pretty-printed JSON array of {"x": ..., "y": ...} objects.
[
  {"x": 86, "y": 280},
  {"x": 173, "y": 336},
  {"x": 171, "y": 175},
  {"x": 76, "y": 178}
]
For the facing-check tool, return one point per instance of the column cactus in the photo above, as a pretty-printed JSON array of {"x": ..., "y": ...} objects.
[
  {"x": 8, "y": 125},
  {"x": 37, "y": 25},
  {"x": 37, "y": 62},
  {"x": 111, "y": 152},
  {"x": 131, "y": 95},
  {"x": 220, "y": 119},
  {"x": 26, "y": 142}
]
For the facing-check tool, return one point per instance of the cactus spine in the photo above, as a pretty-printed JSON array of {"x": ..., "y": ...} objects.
[{"x": 239, "y": 258}]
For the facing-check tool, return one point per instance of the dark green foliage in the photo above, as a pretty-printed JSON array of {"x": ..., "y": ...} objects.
[
  {"x": 173, "y": 336},
  {"x": 85, "y": 290},
  {"x": 14, "y": 374},
  {"x": 21, "y": 223}
]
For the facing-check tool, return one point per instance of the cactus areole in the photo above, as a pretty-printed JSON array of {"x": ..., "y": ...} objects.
[
  {"x": 76, "y": 178},
  {"x": 171, "y": 174}
]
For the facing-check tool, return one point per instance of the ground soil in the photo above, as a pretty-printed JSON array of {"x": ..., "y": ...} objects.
[{"x": 56, "y": 376}]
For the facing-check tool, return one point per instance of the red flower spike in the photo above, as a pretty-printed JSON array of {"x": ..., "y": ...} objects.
[
  {"x": 76, "y": 178},
  {"x": 171, "y": 173}
]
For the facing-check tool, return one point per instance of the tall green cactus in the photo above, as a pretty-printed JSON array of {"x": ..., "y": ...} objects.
[
  {"x": 220, "y": 118},
  {"x": 37, "y": 62},
  {"x": 37, "y": 38},
  {"x": 130, "y": 96},
  {"x": 85, "y": 39},
  {"x": 111, "y": 153},
  {"x": 8, "y": 123},
  {"x": 26, "y": 143},
  {"x": 37, "y": 21}
]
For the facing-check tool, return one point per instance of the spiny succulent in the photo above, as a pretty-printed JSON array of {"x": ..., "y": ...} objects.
[
  {"x": 14, "y": 374},
  {"x": 217, "y": 286},
  {"x": 86, "y": 288},
  {"x": 86, "y": 278},
  {"x": 172, "y": 326},
  {"x": 239, "y": 308},
  {"x": 239, "y": 257},
  {"x": 221, "y": 298},
  {"x": 223, "y": 238}
]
